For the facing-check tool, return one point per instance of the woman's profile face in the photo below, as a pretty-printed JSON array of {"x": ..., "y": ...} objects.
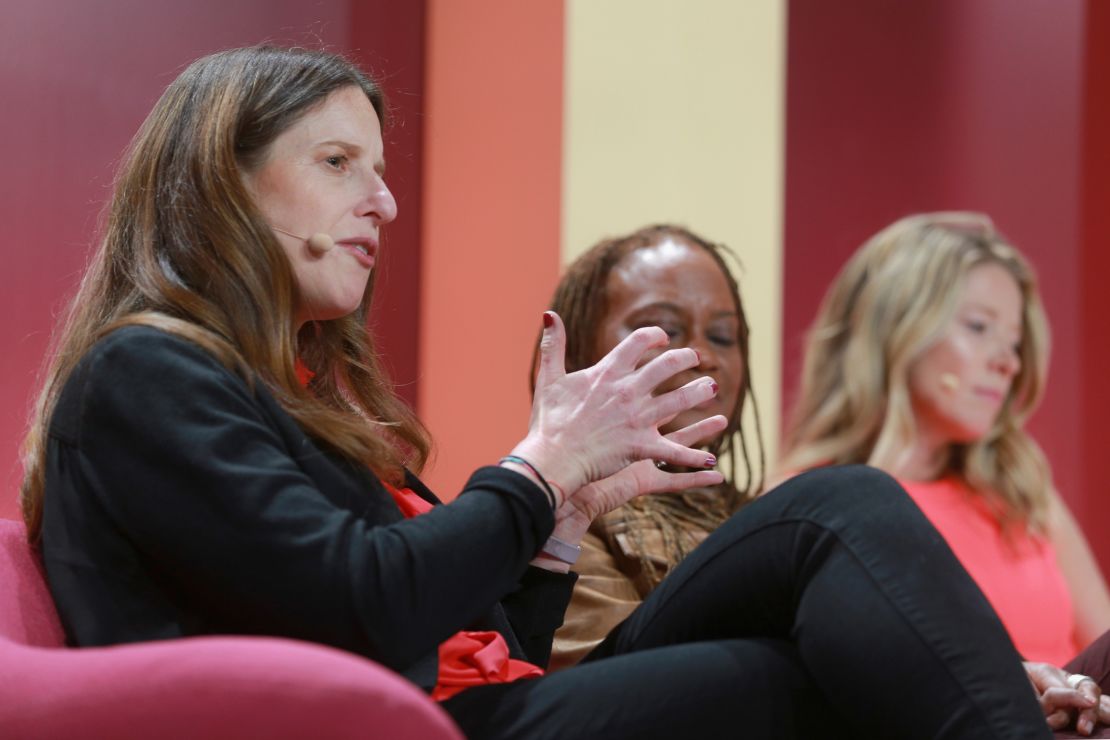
[
  {"x": 324, "y": 174},
  {"x": 958, "y": 385},
  {"x": 678, "y": 286}
]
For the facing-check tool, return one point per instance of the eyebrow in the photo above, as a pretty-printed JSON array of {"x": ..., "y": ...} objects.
[
  {"x": 977, "y": 306},
  {"x": 668, "y": 306},
  {"x": 981, "y": 307}
]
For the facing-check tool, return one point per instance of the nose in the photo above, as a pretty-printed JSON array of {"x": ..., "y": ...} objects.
[
  {"x": 380, "y": 203},
  {"x": 1006, "y": 360},
  {"x": 708, "y": 359}
]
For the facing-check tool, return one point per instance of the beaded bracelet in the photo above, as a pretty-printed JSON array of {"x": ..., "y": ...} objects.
[{"x": 543, "y": 481}]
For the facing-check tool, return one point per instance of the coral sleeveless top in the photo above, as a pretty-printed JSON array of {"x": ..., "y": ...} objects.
[{"x": 1019, "y": 576}]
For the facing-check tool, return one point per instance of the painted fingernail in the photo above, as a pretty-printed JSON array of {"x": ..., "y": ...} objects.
[
  {"x": 710, "y": 461},
  {"x": 713, "y": 387},
  {"x": 548, "y": 320},
  {"x": 698, "y": 355}
]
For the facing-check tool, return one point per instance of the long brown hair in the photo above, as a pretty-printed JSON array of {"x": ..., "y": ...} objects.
[
  {"x": 889, "y": 303},
  {"x": 581, "y": 300},
  {"x": 186, "y": 250}
]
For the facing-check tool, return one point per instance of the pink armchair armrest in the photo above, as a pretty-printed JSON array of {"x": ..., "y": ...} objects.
[{"x": 212, "y": 687}]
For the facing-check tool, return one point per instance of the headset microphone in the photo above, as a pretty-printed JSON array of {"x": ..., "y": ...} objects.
[
  {"x": 318, "y": 243},
  {"x": 949, "y": 382}
]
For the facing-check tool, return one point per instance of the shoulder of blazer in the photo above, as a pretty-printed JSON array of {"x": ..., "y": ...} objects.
[{"x": 132, "y": 346}]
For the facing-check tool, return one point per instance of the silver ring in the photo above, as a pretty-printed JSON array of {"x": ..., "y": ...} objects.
[{"x": 1077, "y": 678}]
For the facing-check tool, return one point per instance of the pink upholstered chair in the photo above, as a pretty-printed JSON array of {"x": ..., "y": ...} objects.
[{"x": 210, "y": 687}]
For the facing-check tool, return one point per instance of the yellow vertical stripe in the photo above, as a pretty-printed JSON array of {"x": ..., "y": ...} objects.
[{"x": 674, "y": 112}]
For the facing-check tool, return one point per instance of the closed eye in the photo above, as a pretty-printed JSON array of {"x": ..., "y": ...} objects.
[
  {"x": 670, "y": 327},
  {"x": 672, "y": 331}
]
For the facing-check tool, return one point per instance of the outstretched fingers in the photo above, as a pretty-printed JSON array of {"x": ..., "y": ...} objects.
[
  {"x": 553, "y": 350},
  {"x": 683, "y": 481},
  {"x": 677, "y": 447},
  {"x": 699, "y": 431},
  {"x": 626, "y": 356},
  {"x": 685, "y": 437},
  {"x": 594, "y": 422},
  {"x": 682, "y": 456},
  {"x": 664, "y": 365},
  {"x": 672, "y": 403}
]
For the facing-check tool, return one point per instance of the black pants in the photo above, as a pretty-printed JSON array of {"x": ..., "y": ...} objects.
[{"x": 829, "y": 607}]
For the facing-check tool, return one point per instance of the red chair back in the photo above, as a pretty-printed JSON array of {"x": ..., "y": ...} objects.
[{"x": 27, "y": 613}]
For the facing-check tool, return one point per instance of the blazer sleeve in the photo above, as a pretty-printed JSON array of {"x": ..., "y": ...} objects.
[{"x": 192, "y": 471}]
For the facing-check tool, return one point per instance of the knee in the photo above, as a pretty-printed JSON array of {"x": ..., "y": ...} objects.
[
  {"x": 843, "y": 477},
  {"x": 856, "y": 489},
  {"x": 851, "y": 477}
]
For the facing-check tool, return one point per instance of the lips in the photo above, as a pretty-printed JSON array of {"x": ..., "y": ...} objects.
[
  {"x": 990, "y": 394},
  {"x": 364, "y": 250}
]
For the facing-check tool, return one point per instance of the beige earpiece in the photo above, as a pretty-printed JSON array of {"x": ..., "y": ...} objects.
[{"x": 318, "y": 243}]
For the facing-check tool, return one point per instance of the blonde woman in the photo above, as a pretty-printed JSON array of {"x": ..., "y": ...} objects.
[{"x": 927, "y": 356}]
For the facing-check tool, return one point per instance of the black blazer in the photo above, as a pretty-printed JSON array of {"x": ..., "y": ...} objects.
[{"x": 182, "y": 501}]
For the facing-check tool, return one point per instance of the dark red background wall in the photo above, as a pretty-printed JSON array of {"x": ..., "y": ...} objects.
[
  {"x": 78, "y": 78},
  {"x": 922, "y": 105},
  {"x": 1093, "y": 439}
]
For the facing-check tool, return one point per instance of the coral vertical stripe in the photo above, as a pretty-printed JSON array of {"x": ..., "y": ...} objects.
[{"x": 493, "y": 138}]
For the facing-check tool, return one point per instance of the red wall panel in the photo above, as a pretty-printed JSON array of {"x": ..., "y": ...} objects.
[
  {"x": 388, "y": 39},
  {"x": 863, "y": 138},
  {"x": 1093, "y": 439}
]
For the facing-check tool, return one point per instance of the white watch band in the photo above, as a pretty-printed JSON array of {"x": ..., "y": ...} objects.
[{"x": 562, "y": 551}]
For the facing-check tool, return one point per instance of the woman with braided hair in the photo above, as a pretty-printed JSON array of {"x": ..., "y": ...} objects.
[{"x": 667, "y": 276}]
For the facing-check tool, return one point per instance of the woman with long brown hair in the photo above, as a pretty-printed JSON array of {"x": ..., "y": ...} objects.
[{"x": 216, "y": 451}]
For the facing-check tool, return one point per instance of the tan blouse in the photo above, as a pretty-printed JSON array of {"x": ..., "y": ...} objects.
[{"x": 624, "y": 556}]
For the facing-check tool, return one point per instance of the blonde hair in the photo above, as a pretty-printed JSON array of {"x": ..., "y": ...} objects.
[
  {"x": 186, "y": 250},
  {"x": 890, "y": 302}
]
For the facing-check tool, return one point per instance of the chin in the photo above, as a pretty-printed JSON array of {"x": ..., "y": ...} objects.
[
  {"x": 970, "y": 434},
  {"x": 335, "y": 309}
]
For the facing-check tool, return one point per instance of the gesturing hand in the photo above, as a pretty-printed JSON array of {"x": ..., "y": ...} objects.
[
  {"x": 574, "y": 516},
  {"x": 590, "y": 424}
]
